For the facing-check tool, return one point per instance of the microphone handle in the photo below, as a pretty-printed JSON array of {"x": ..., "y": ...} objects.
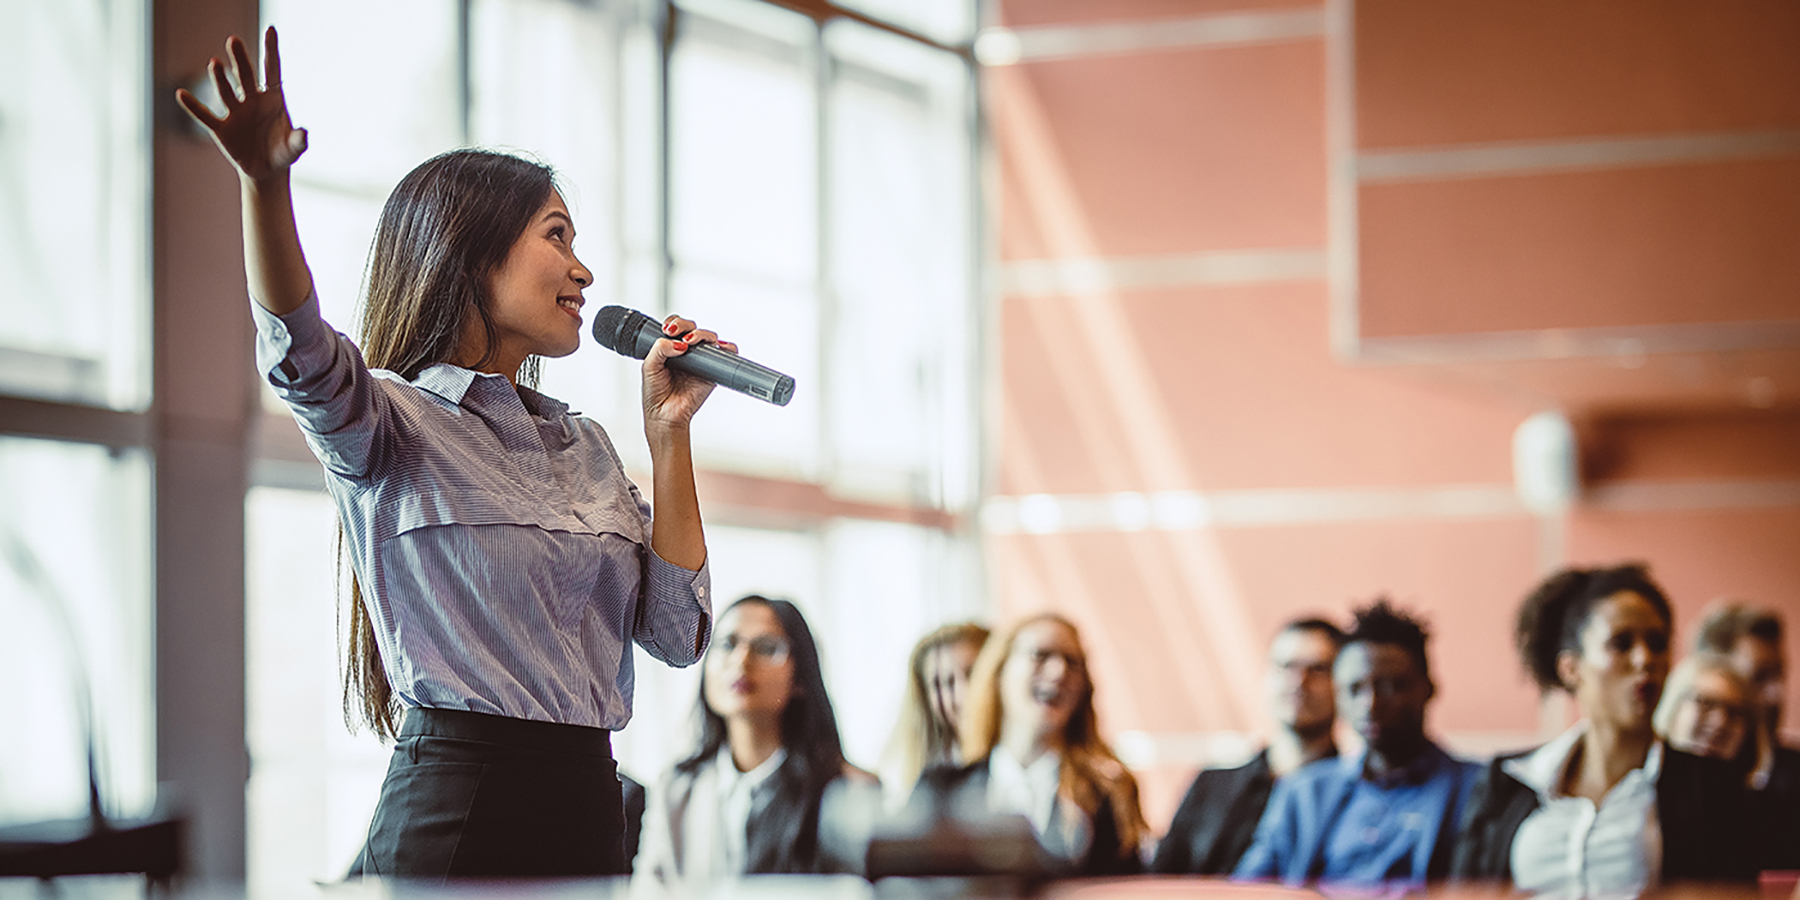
[{"x": 723, "y": 368}]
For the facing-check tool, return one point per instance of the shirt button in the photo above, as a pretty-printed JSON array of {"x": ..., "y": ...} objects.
[{"x": 1371, "y": 835}]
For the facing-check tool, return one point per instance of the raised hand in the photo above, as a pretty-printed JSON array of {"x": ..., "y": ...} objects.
[{"x": 255, "y": 133}]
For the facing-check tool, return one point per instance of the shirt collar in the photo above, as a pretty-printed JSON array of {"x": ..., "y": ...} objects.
[
  {"x": 1420, "y": 770},
  {"x": 547, "y": 407},
  {"x": 447, "y": 381},
  {"x": 453, "y": 383},
  {"x": 1543, "y": 770},
  {"x": 1047, "y": 767},
  {"x": 731, "y": 780}
]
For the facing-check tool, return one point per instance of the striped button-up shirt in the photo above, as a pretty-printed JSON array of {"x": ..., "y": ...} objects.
[{"x": 503, "y": 555}]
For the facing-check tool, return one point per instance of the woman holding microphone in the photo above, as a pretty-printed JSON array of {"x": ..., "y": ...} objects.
[{"x": 502, "y": 561}]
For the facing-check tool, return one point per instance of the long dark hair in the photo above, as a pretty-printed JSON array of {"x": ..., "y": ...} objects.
[
  {"x": 809, "y": 731},
  {"x": 809, "y": 734},
  {"x": 445, "y": 229}
]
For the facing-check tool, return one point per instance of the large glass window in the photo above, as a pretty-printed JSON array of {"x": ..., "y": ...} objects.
[
  {"x": 900, "y": 391},
  {"x": 562, "y": 109},
  {"x": 75, "y": 597},
  {"x": 313, "y": 784},
  {"x": 947, "y": 21},
  {"x": 376, "y": 86},
  {"x": 74, "y": 192},
  {"x": 801, "y": 186},
  {"x": 744, "y": 219}
]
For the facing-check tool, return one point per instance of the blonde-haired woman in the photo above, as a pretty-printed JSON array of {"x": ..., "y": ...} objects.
[
  {"x": 1709, "y": 709},
  {"x": 937, "y": 680},
  {"x": 1032, "y": 744}
]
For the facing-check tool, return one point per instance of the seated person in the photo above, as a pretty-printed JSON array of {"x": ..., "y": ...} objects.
[
  {"x": 1217, "y": 819},
  {"x": 937, "y": 680},
  {"x": 1605, "y": 809},
  {"x": 750, "y": 798},
  {"x": 1387, "y": 815},
  {"x": 1033, "y": 745},
  {"x": 1751, "y": 636},
  {"x": 1708, "y": 709}
]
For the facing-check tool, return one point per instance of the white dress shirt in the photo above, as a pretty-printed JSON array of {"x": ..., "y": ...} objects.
[
  {"x": 1030, "y": 791},
  {"x": 1571, "y": 848},
  {"x": 715, "y": 827}
]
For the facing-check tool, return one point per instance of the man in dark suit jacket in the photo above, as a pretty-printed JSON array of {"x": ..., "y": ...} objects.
[{"x": 1217, "y": 820}]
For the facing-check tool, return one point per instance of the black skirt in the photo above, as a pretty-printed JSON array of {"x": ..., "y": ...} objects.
[{"x": 469, "y": 795}]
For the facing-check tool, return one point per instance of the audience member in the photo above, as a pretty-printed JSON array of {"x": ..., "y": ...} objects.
[
  {"x": 1217, "y": 820},
  {"x": 750, "y": 798},
  {"x": 1708, "y": 709},
  {"x": 1606, "y": 808},
  {"x": 1751, "y": 636},
  {"x": 1386, "y": 815},
  {"x": 937, "y": 680},
  {"x": 1032, "y": 741}
]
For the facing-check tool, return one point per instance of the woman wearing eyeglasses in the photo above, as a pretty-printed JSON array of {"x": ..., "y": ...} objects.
[{"x": 749, "y": 799}]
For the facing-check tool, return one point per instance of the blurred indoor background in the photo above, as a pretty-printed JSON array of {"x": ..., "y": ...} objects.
[{"x": 1180, "y": 317}]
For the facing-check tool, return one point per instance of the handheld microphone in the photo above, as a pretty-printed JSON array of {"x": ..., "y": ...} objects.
[{"x": 631, "y": 333}]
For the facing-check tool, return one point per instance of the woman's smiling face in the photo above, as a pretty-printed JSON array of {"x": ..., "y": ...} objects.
[
  {"x": 534, "y": 297},
  {"x": 1044, "y": 679}
]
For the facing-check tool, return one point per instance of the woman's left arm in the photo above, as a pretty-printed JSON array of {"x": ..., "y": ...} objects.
[{"x": 670, "y": 400}]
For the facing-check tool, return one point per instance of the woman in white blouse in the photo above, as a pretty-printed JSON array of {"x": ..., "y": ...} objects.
[
  {"x": 750, "y": 798},
  {"x": 1606, "y": 808}
]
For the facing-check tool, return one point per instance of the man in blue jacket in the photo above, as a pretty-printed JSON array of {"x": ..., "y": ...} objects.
[{"x": 1389, "y": 814}]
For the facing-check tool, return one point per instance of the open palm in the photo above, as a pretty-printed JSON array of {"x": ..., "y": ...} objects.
[{"x": 255, "y": 133}]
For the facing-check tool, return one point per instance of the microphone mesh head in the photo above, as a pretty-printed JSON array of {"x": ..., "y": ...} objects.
[{"x": 615, "y": 328}]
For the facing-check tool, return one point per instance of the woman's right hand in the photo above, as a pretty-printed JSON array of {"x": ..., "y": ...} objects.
[{"x": 255, "y": 133}]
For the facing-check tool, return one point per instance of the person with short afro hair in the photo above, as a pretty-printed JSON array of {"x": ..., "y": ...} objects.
[{"x": 1386, "y": 816}]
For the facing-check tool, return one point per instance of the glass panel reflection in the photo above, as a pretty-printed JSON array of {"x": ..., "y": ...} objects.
[
  {"x": 900, "y": 378},
  {"x": 75, "y": 582},
  {"x": 313, "y": 785},
  {"x": 74, "y": 202},
  {"x": 949, "y": 21},
  {"x": 780, "y": 329},
  {"x": 742, "y": 154}
]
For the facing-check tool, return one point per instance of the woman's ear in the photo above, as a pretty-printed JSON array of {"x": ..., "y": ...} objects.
[{"x": 1568, "y": 669}]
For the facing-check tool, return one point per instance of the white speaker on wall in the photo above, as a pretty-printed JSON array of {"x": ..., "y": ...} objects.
[{"x": 1546, "y": 463}]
